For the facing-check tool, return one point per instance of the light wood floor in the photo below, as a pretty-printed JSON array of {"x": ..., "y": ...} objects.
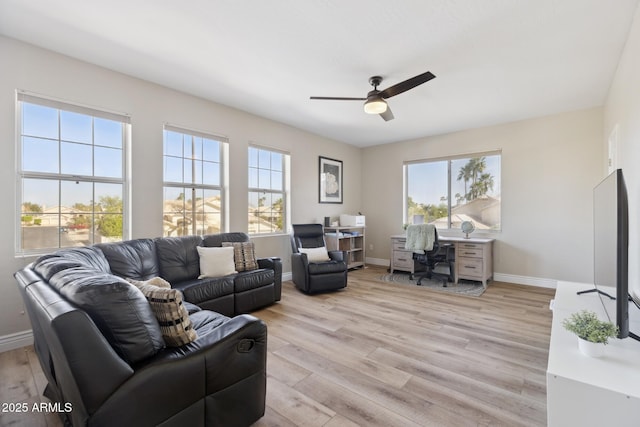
[{"x": 380, "y": 354}]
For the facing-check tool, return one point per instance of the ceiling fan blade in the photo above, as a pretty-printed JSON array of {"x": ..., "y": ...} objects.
[
  {"x": 337, "y": 98},
  {"x": 387, "y": 115},
  {"x": 406, "y": 85}
]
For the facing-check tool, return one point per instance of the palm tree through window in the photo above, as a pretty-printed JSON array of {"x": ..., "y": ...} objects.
[{"x": 448, "y": 191}]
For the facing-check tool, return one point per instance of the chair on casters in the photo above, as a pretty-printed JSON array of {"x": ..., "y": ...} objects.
[
  {"x": 436, "y": 256},
  {"x": 314, "y": 269}
]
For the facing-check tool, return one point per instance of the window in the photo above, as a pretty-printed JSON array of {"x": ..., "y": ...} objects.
[
  {"x": 71, "y": 175},
  {"x": 193, "y": 182},
  {"x": 268, "y": 190},
  {"x": 448, "y": 191}
]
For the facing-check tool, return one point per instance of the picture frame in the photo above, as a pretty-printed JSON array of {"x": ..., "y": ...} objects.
[{"x": 330, "y": 180}]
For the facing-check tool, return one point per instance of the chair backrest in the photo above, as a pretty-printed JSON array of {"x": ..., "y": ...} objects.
[
  {"x": 307, "y": 236},
  {"x": 436, "y": 243}
]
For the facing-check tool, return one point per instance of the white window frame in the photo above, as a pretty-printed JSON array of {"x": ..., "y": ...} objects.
[
  {"x": 286, "y": 190},
  {"x": 448, "y": 159},
  {"x": 223, "y": 178},
  {"x": 23, "y": 97}
]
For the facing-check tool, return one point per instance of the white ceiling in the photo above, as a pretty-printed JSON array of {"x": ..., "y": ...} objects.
[{"x": 496, "y": 61}]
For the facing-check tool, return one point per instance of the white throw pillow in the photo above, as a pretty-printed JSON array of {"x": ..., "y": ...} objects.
[
  {"x": 316, "y": 254},
  {"x": 216, "y": 262}
]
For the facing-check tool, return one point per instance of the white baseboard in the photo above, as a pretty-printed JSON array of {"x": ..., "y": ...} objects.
[
  {"x": 378, "y": 261},
  {"x": 17, "y": 340},
  {"x": 499, "y": 277},
  {"x": 525, "y": 280}
]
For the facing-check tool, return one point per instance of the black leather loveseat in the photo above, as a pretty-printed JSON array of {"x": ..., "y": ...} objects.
[
  {"x": 176, "y": 260},
  {"x": 104, "y": 355}
]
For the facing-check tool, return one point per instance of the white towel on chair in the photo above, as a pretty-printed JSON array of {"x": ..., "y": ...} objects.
[{"x": 420, "y": 238}]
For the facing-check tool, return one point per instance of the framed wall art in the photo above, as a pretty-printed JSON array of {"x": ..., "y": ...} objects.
[{"x": 330, "y": 180}]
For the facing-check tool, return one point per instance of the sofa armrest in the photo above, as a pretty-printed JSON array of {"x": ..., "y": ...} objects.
[
  {"x": 275, "y": 264},
  {"x": 270, "y": 262},
  {"x": 226, "y": 364},
  {"x": 94, "y": 367},
  {"x": 73, "y": 353},
  {"x": 300, "y": 269}
]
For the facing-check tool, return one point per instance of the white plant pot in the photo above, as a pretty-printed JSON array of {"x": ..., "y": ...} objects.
[{"x": 591, "y": 349}]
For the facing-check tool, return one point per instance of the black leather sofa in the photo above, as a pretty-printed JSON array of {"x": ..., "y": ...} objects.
[
  {"x": 100, "y": 346},
  {"x": 176, "y": 260}
]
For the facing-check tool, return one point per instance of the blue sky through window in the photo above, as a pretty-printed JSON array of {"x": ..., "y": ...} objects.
[
  {"x": 63, "y": 142},
  {"x": 427, "y": 182}
]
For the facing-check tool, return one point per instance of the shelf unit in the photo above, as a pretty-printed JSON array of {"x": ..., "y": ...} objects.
[{"x": 349, "y": 239}]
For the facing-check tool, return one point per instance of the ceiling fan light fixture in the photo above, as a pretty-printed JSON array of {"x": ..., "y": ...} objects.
[{"x": 375, "y": 105}]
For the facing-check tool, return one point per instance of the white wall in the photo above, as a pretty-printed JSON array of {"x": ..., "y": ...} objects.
[
  {"x": 549, "y": 168},
  {"x": 622, "y": 108},
  {"x": 44, "y": 72}
]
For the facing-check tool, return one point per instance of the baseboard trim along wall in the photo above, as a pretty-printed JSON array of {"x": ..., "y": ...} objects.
[
  {"x": 498, "y": 277},
  {"x": 378, "y": 261},
  {"x": 525, "y": 280},
  {"x": 17, "y": 340}
]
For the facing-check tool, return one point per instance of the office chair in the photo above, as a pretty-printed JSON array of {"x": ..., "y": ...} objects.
[{"x": 438, "y": 262}]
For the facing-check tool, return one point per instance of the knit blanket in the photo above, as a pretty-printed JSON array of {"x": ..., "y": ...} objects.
[{"x": 420, "y": 238}]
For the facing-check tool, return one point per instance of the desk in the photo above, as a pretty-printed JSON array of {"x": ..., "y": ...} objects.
[{"x": 473, "y": 257}]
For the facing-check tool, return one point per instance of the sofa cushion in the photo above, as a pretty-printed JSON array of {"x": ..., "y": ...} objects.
[
  {"x": 199, "y": 290},
  {"x": 216, "y": 262},
  {"x": 253, "y": 279},
  {"x": 207, "y": 325},
  {"x": 191, "y": 308},
  {"x": 327, "y": 267},
  {"x": 178, "y": 258},
  {"x": 90, "y": 257},
  {"x": 132, "y": 258},
  {"x": 118, "y": 309},
  {"x": 216, "y": 240},
  {"x": 206, "y": 321},
  {"x": 244, "y": 255},
  {"x": 169, "y": 310}
]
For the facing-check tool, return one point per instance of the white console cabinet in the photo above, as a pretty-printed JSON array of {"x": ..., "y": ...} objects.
[{"x": 585, "y": 391}]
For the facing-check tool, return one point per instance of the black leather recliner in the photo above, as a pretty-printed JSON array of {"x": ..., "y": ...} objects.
[{"x": 316, "y": 276}]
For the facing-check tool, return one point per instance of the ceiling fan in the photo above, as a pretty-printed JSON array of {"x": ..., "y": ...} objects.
[{"x": 375, "y": 101}]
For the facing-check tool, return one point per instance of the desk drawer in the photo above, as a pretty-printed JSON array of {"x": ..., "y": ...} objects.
[
  {"x": 469, "y": 253},
  {"x": 470, "y": 268},
  {"x": 403, "y": 259},
  {"x": 469, "y": 245},
  {"x": 398, "y": 245}
]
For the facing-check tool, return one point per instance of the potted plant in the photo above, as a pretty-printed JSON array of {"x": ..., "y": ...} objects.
[{"x": 592, "y": 332}]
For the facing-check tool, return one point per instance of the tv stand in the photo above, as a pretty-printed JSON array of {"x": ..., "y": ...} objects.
[
  {"x": 596, "y": 290},
  {"x": 586, "y": 391},
  {"x": 631, "y": 334},
  {"x": 634, "y": 336}
]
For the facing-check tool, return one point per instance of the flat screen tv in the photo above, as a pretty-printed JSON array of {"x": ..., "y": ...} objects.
[{"x": 610, "y": 247}]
